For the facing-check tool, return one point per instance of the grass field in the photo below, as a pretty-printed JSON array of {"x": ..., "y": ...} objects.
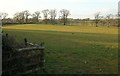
[{"x": 73, "y": 49}]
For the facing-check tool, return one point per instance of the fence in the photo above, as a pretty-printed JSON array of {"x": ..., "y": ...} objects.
[{"x": 21, "y": 61}]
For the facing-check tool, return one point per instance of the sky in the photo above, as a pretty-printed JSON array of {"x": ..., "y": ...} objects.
[{"x": 78, "y": 8}]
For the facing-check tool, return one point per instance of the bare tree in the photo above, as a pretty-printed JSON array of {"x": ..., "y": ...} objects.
[
  {"x": 45, "y": 14},
  {"x": 33, "y": 18},
  {"x": 64, "y": 14},
  {"x": 53, "y": 14},
  {"x": 19, "y": 17},
  {"x": 26, "y": 14},
  {"x": 16, "y": 17},
  {"x": 109, "y": 17},
  {"x": 97, "y": 18},
  {"x": 3, "y": 15},
  {"x": 22, "y": 16},
  {"x": 36, "y": 16}
]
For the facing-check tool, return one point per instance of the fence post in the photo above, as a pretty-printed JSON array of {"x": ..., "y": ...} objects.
[{"x": 25, "y": 40}]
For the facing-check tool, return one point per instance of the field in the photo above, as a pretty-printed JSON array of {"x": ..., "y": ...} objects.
[{"x": 73, "y": 49}]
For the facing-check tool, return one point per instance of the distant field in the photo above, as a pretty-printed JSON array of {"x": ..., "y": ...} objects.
[
  {"x": 73, "y": 49},
  {"x": 61, "y": 28}
]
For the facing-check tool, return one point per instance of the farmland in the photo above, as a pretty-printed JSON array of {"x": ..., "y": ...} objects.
[{"x": 73, "y": 49}]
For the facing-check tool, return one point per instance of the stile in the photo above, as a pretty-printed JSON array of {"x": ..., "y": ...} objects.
[{"x": 23, "y": 60}]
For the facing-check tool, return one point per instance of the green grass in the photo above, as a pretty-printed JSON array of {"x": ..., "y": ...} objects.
[
  {"x": 61, "y": 28},
  {"x": 73, "y": 49}
]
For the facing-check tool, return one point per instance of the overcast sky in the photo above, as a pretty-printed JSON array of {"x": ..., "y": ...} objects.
[{"x": 78, "y": 8}]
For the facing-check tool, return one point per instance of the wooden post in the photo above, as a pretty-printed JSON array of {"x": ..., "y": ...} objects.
[
  {"x": 25, "y": 40},
  {"x": 7, "y": 35}
]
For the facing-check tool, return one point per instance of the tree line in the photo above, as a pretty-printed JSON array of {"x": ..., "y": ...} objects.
[
  {"x": 49, "y": 16},
  {"x": 107, "y": 20}
]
